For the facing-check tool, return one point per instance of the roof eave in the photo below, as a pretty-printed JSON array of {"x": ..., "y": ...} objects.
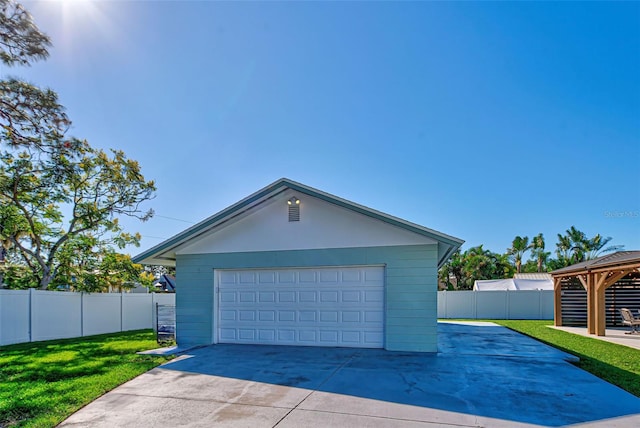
[{"x": 274, "y": 189}]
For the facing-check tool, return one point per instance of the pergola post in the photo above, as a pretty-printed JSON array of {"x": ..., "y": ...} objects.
[
  {"x": 557, "y": 301},
  {"x": 591, "y": 304},
  {"x": 599, "y": 300}
]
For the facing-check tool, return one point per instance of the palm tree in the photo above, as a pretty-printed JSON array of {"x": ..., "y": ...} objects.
[
  {"x": 595, "y": 246},
  {"x": 579, "y": 242},
  {"x": 538, "y": 252},
  {"x": 563, "y": 250},
  {"x": 519, "y": 246}
]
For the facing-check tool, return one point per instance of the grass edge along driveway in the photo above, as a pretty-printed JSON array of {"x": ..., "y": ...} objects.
[
  {"x": 45, "y": 382},
  {"x": 617, "y": 364}
]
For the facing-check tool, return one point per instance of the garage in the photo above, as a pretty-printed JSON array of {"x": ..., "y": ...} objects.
[
  {"x": 294, "y": 265},
  {"x": 329, "y": 306}
]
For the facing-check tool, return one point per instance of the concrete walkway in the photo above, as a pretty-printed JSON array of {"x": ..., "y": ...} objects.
[
  {"x": 612, "y": 335},
  {"x": 484, "y": 375}
]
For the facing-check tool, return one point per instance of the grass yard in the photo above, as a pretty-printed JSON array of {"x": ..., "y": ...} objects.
[
  {"x": 42, "y": 383},
  {"x": 617, "y": 364}
]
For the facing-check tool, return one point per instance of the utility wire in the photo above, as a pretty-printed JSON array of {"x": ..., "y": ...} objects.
[{"x": 173, "y": 218}]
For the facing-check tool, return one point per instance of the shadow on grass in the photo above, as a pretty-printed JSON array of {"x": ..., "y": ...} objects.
[{"x": 41, "y": 379}]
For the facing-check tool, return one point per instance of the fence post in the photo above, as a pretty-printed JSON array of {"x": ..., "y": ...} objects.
[
  {"x": 475, "y": 304},
  {"x": 121, "y": 308},
  {"x": 539, "y": 304},
  {"x": 82, "y": 314},
  {"x": 153, "y": 310},
  {"x": 31, "y": 290}
]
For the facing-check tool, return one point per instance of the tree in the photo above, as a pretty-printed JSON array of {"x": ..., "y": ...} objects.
[
  {"x": 574, "y": 247},
  {"x": 452, "y": 269},
  {"x": 538, "y": 252},
  {"x": 20, "y": 39},
  {"x": 519, "y": 247},
  {"x": 63, "y": 197},
  {"x": 95, "y": 188},
  {"x": 474, "y": 264},
  {"x": 595, "y": 246}
]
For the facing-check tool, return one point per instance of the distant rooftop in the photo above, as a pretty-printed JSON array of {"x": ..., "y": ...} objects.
[{"x": 532, "y": 275}]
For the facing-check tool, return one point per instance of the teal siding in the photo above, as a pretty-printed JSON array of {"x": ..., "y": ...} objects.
[{"x": 410, "y": 288}]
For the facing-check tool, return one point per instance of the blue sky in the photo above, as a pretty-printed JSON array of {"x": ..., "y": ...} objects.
[{"x": 480, "y": 120}]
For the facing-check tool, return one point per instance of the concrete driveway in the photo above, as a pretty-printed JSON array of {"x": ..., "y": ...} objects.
[{"x": 484, "y": 375}]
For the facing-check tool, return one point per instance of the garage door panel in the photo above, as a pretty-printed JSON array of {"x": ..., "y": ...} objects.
[
  {"x": 329, "y": 296},
  {"x": 307, "y": 336},
  {"x": 268, "y": 296},
  {"x": 285, "y": 316},
  {"x": 317, "y": 307},
  {"x": 329, "y": 276},
  {"x": 228, "y": 334},
  {"x": 228, "y": 315},
  {"x": 267, "y": 277},
  {"x": 328, "y": 316},
  {"x": 286, "y": 296},
  {"x": 373, "y": 296},
  {"x": 227, "y": 296},
  {"x": 307, "y": 276},
  {"x": 353, "y": 337},
  {"x": 307, "y": 296}
]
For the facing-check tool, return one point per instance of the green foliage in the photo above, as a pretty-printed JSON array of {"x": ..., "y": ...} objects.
[
  {"x": 519, "y": 247},
  {"x": 45, "y": 382},
  {"x": 538, "y": 253},
  {"x": 575, "y": 247},
  {"x": 463, "y": 269},
  {"x": 617, "y": 364},
  {"x": 20, "y": 40},
  {"x": 94, "y": 186}
]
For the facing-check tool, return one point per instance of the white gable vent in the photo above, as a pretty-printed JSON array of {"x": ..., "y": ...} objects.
[{"x": 294, "y": 209}]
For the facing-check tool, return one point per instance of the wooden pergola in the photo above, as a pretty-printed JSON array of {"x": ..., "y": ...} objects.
[{"x": 595, "y": 276}]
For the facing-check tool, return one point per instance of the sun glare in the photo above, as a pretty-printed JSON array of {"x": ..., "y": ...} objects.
[{"x": 73, "y": 24}]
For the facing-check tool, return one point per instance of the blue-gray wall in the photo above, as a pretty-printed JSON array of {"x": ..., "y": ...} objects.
[{"x": 410, "y": 288}]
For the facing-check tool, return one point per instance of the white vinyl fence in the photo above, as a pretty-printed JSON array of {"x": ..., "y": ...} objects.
[
  {"x": 497, "y": 305},
  {"x": 34, "y": 315}
]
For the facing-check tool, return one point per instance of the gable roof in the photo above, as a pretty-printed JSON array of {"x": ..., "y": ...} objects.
[
  {"x": 620, "y": 258},
  {"x": 164, "y": 253}
]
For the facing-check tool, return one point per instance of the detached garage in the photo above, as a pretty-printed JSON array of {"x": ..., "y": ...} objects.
[{"x": 292, "y": 265}]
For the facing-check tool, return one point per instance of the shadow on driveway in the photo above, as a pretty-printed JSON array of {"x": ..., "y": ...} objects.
[{"x": 484, "y": 375}]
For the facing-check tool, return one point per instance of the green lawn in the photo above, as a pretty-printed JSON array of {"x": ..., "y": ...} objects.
[
  {"x": 42, "y": 383},
  {"x": 617, "y": 364}
]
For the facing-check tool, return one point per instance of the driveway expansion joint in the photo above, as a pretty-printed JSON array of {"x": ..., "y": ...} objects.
[{"x": 337, "y": 369}]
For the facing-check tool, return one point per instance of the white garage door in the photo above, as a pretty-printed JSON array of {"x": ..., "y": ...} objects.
[{"x": 311, "y": 307}]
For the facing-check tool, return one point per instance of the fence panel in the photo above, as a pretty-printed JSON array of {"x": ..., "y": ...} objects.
[
  {"x": 14, "y": 316},
  {"x": 55, "y": 315},
  {"x": 135, "y": 311},
  {"x": 492, "y": 305},
  {"x": 525, "y": 304},
  {"x": 34, "y": 315},
  {"x": 101, "y": 313},
  {"x": 546, "y": 305}
]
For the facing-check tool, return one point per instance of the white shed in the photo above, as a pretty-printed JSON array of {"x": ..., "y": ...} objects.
[{"x": 513, "y": 284}]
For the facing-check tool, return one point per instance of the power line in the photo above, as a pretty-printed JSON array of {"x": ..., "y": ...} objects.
[{"x": 173, "y": 218}]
